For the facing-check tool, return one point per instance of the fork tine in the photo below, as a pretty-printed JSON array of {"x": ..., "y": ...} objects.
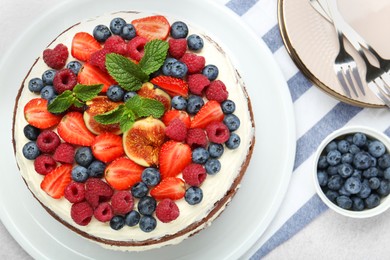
[
  {"x": 343, "y": 83},
  {"x": 358, "y": 80},
  {"x": 348, "y": 73},
  {"x": 386, "y": 79},
  {"x": 377, "y": 90}
]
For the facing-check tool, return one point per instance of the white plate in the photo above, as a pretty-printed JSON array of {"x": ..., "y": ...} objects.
[{"x": 262, "y": 189}]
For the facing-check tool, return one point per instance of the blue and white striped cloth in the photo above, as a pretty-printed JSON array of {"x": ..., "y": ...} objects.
[{"x": 317, "y": 115}]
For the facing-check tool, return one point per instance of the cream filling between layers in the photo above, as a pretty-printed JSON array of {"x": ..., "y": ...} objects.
[{"x": 214, "y": 188}]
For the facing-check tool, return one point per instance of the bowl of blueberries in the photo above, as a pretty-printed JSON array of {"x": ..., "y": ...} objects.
[{"x": 352, "y": 171}]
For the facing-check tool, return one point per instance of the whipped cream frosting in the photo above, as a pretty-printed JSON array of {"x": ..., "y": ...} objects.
[{"x": 214, "y": 188}]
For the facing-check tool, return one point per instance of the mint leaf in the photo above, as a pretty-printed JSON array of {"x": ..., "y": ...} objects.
[
  {"x": 155, "y": 53},
  {"x": 151, "y": 107},
  {"x": 87, "y": 92},
  {"x": 133, "y": 102},
  {"x": 110, "y": 117},
  {"x": 126, "y": 123},
  {"x": 61, "y": 103},
  {"x": 128, "y": 74}
]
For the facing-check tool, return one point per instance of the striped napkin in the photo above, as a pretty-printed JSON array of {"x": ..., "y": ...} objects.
[{"x": 317, "y": 115}]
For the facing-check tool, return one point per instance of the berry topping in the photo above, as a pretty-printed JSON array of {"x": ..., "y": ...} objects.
[
  {"x": 174, "y": 157},
  {"x": 116, "y": 25},
  {"x": 122, "y": 202},
  {"x": 200, "y": 155},
  {"x": 74, "y": 66},
  {"x": 81, "y": 213},
  {"x": 195, "y": 42},
  {"x": 101, "y": 33},
  {"x": 232, "y": 122},
  {"x": 30, "y": 150},
  {"x": 179, "y": 103},
  {"x": 146, "y": 205},
  {"x": 36, "y": 114},
  {"x": 228, "y": 106},
  {"x": 147, "y": 223},
  {"x": 72, "y": 129},
  {"x": 172, "y": 114},
  {"x": 117, "y": 222},
  {"x": 64, "y": 79},
  {"x": 177, "y": 47},
  {"x": 196, "y": 137},
  {"x": 44, "y": 164},
  {"x": 152, "y": 27},
  {"x": 35, "y": 85},
  {"x": 179, "y": 30},
  {"x": 193, "y": 195},
  {"x": 194, "y": 104},
  {"x": 212, "y": 166},
  {"x": 128, "y": 32},
  {"x": 96, "y": 169},
  {"x": 103, "y": 212},
  {"x": 234, "y": 141},
  {"x": 195, "y": 63},
  {"x": 115, "y": 44},
  {"x": 75, "y": 192},
  {"x": 56, "y": 58},
  {"x": 194, "y": 174},
  {"x": 210, "y": 112},
  {"x": 79, "y": 173},
  {"x": 98, "y": 59},
  {"x": 217, "y": 132},
  {"x": 169, "y": 188},
  {"x": 31, "y": 132},
  {"x": 97, "y": 191},
  {"x": 197, "y": 83},
  {"x": 48, "y": 141},
  {"x": 64, "y": 153},
  {"x": 215, "y": 150},
  {"x": 107, "y": 146},
  {"x": 135, "y": 47},
  {"x": 150, "y": 176},
  {"x": 48, "y": 92},
  {"x": 83, "y": 45},
  {"x": 139, "y": 190},
  {"x": 84, "y": 156},
  {"x": 55, "y": 182},
  {"x": 167, "y": 210},
  {"x": 123, "y": 173},
  {"x": 173, "y": 86},
  {"x": 210, "y": 71},
  {"x": 217, "y": 91},
  {"x": 90, "y": 75},
  {"x": 132, "y": 218},
  {"x": 176, "y": 130},
  {"x": 115, "y": 93}
]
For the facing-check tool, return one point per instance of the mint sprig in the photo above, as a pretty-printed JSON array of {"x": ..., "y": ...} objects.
[
  {"x": 134, "y": 108},
  {"x": 77, "y": 97},
  {"x": 155, "y": 53}
]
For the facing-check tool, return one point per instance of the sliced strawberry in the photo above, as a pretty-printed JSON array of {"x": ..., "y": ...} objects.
[
  {"x": 210, "y": 112},
  {"x": 36, "y": 114},
  {"x": 173, "y": 86},
  {"x": 173, "y": 158},
  {"x": 172, "y": 114},
  {"x": 55, "y": 182},
  {"x": 107, "y": 147},
  {"x": 90, "y": 75},
  {"x": 169, "y": 188},
  {"x": 83, "y": 45},
  {"x": 72, "y": 129},
  {"x": 123, "y": 173},
  {"x": 152, "y": 27}
]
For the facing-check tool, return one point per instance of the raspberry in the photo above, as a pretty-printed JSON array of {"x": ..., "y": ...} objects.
[
  {"x": 98, "y": 59},
  {"x": 48, "y": 141},
  {"x": 115, "y": 44},
  {"x": 103, "y": 212},
  {"x": 56, "y": 58},
  {"x": 64, "y": 79},
  {"x": 97, "y": 191},
  {"x": 122, "y": 202},
  {"x": 197, "y": 82},
  {"x": 135, "y": 47},
  {"x": 194, "y": 62},
  {"x": 167, "y": 210},
  {"x": 194, "y": 174},
  {"x": 217, "y": 132},
  {"x": 81, "y": 213},
  {"x": 176, "y": 130},
  {"x": 177, "y": 47},
  {"x": 75, "y": 192},
  {"x": 44, "y": 164},
  {"x": 64, "y": 153},
  {"x": 217, "y": 91},
  {"x": 196, "y": 137}
]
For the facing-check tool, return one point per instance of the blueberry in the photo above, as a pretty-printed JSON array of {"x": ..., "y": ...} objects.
[
  {"x": 150, "y": 176},
  {"x": 35, "y": 85},
  {"x": 132, "y": 218},
  {"x": 332, "y": 170},
  {"x": 193, "y": 195},
  {"x": 370, "y": 172},
  {"x": 210, "y": 71},
  {"x": 234, "y": 141},
  {"x": 115, "y": 93},
  {"x": 79, "y": 173},
  {"x": 386, "y": 173},
  {"x": 374, "y": 183},
  {"x": 362, "y": 160},
  {"x": 48, "y": 77},
  {"x": 365, "y": 190},
  {"x": 48, "y": 92},
  {"x": 117, "y": 222},
  {"x": 179, "y": 70},
  {"x": 357, "y": 204},
  {"x": 200, "y": 155},
  {"x": 146, "y": 205},
  {"x": 347, "y": 158},
  {"x": 139, "y": 190},
  {"x": 331, "y": 146},
  {"x": 343, "y": 146},
  {"x": 101, "y": 33},
  {"x": 357, "y": 173},
  {"x": 322, "y": 177},
  {"x": 128, "y": 32},
  {"x": 359, "y": 139},
  {"x": 213, "y": 166},
  {"x": 228, "y": 106},
  {"x": 384, "y": 161},
  {"x": 232, "y": 122},
  {"x": 343, "y": 191},
  {"x": 345, "y": 170},
  {"x": 179, "y": 103},
  {"x": 194, "y": 104},
  {"x": 31, "y": 132},
  {"x": 331, "y": 195},
  {"x": 374, "y": 161},
  {"x": 372, "y": 201},
  {"x": 166, "y": 68},
  {"x": 129, "y": 95},
  {"x": 335, "y": 182},
  {"x": 384, "y": 188},
  {"x": 179, "y": 30},
  {"x": 353, "y": 185},
  {"x": 216, "y": 150},
  {"x": 84, "y": 156},
  {"x": 116, "y": 25},
  {"x": 195, "y": 42},
  {"x": 333, "y": 157},
  {"x": 344, "y": 202},
  {"x": 30, "y": 150},
  {"x": 354, "y": 149},
  {"x": 74, "y": 66},
  {"x": 147, "y": 223},
  {"x": 96, "y": 169},
  {"x": 376, "y": 148}
]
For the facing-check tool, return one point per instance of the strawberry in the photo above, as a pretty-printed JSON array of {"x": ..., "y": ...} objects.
[
  {"x": 152, "y": 27},
  {"x": 90, "y": 75},
  {"x": 36, "y": 114},
  {"x": 56, "y": 181},
  {"x": 210, "y": 112},
  {"x": 173, "y": 158},
  {"x": 107, "y": 146},
  {"x": 83, "y": 45},
  {"x": 173, "y": 86},
  {"x": 123, "y": 173},
  {"x": 72, "y": 129},
  {"x": 169, "y": 188},
  {"x": 172, "y": 114}
]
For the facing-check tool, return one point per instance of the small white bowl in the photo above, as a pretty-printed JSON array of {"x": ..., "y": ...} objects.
[{"x": 371, "y": 133}]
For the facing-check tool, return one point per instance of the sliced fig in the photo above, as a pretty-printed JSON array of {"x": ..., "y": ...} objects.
[
  {"x": 142, "y": 142},
  {"x": 149, "y": 91},
  {"x": 96, "y": 106}
]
